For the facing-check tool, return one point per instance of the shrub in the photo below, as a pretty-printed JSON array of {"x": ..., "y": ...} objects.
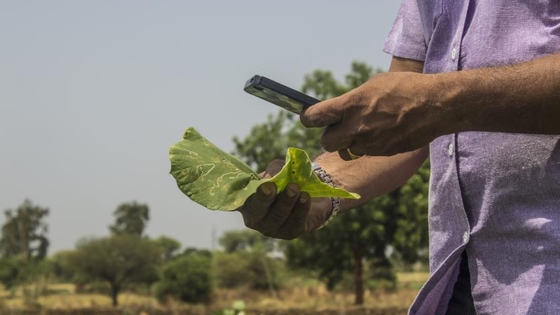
[
  {"x": 186, "y": 278},
  {"x": 252, "y": 269},
  {"x": 9, "y": 272}
]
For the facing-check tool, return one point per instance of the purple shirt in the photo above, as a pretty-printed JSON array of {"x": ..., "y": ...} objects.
[{"x": 496, "y": 195}]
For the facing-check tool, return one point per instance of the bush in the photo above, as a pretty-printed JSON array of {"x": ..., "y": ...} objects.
[
  {"x": 9, "y": 272},
  {"x": 186, "y": 278},
  {"x": 231, "y": 270},
  {"x": 237, "y": 269}
]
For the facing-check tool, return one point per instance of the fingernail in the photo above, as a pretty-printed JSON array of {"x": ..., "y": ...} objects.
[
  {"x": 303, "y": 199},
  {"x": 290, "y": 193},
  {"x": 266, "y": 190}
]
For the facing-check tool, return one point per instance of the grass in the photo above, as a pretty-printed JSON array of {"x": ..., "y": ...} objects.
[
  {"x": 308, "y": 295},
  {"x": 412, "y": 280}
]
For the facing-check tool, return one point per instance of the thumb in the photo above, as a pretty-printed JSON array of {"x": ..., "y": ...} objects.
[
  {"x": 322, "y": 114},
  {"x": 273, "y": 168}
]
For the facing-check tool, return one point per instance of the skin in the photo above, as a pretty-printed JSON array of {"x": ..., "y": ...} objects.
[
  {"x": 401, "y": 111},
  {"x": 291, "y": 213},
  {"x": 392, "y": 118}
]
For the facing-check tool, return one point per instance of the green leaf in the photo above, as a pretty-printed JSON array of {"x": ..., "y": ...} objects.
[
  {"x": 298, "y": 169},
  {"x": 219, "y": 181}
]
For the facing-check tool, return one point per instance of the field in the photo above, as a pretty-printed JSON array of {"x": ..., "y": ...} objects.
[{"x": 297, "y": 298}]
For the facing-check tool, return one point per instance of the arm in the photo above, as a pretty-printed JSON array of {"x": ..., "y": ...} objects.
[
  {"x": 523, "y": 98},
  {"x": 402, "y": 111},
  {"x": 375, "y": 176},
  {"x": 291, "y": 213}
]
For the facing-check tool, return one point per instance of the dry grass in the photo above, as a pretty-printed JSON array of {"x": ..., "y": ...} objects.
[
  {"x": 305, "y": 296},
  {"x": 315, "y": 297}
]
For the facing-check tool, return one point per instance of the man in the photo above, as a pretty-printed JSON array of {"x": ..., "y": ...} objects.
[{"x": 476, "y": 84}]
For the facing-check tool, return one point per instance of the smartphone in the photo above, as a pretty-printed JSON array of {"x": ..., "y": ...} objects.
[{"x": 279, "y": 94}]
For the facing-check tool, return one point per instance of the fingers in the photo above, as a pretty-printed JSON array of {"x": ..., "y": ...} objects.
[
  {"x": 297, "y": 223},
  {"x": 274, "y": 168},
  {"x": 282, "y": 215},
  {"x": 323, "y": 114},
  {"x": 344, "y": 155},
  {"x": 288, "y": 215},
  {"x": 337, "y": 137},
  {"x": 339, "y": 118},
  {"x": 256, "y": 207}
]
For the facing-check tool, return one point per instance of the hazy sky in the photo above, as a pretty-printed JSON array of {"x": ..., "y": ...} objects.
[{"x": 93, "y": 93}]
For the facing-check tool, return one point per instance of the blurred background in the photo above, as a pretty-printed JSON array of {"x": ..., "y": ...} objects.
[{"x": 93, "y": 94}]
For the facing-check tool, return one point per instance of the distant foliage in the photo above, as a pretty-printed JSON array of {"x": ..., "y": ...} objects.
[
  {"x": 186, "y": 278},
  {"x": 117, "y": 260},
  {"x": 9, "y": 272},
  {"x": 24, "y": 232},
  {"x": 247, "y": 261},
  {"x": 169, "y": 247},
  {"x": 130, "y": 218},
  {"x": 63, "y": 266}
]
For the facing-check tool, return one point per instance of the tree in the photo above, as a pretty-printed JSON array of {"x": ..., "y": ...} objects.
[
  {"x": 130, "y": 218},
  {"x": 24, "y": 233},
  {"x": 168, "y": 247},
  {"x": 361, "y": 235},
  {"x": 246, "y": 240},
  {"x": 396, "y": 220},
  {"x": 246, "y": 261},
  {"x": 10, "y": 272},
  {"x": 186, "y": 278},
  {"x": 119, "y": 260},
  {"x": 63, "y": 266}
]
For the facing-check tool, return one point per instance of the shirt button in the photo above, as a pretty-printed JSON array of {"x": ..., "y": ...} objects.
[
  {"x": 450, "y": 149},
  {"x": 454, "y": 54},
  {"x": 465, "y": 237}
]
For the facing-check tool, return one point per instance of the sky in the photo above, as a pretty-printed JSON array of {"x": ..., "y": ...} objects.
[{"x": 93, "y": 94}]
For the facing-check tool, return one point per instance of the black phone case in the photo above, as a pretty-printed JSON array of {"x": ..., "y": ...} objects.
[{"x": 279, "y": 94}]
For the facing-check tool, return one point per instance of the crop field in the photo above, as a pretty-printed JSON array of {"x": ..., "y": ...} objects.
[{"x": 297, "y": 298}]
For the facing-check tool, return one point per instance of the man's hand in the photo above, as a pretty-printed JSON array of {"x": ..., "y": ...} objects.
[
  {"x": 389, "y": 114},
  {"x": 288, "y": 214},
  {"x": 400, "y": 111}
]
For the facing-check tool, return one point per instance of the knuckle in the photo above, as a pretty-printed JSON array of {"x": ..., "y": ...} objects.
[
  {"x": 253, "y": 208},
  {"x": 279, "y": 216},
  {"x": 356, "y": 97}
]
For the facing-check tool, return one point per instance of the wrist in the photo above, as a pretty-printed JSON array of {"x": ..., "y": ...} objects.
[
  {"x": 447, "y": 108},
  {"x": 334, "y": 201}
]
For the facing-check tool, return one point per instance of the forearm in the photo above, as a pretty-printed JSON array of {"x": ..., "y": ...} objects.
[
  {"x": 371, "y": 176},
  {"x": 522, "y": 98}
]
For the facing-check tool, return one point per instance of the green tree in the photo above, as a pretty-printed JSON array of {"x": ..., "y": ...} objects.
[
  {"x": 364, "y": 234},
  {"x": 186, "y": 278},
  {"x": 119, "y": 260},
  {"x": 246, "y": 240},
  {"x": 25, "y": 232},
  {"x": 197, "y": 251},
  {"x": 10, "y": 272},
  {"x": 63, "y": 266},
  {"x": 168, "y": 246},
  {"x": 246, "y": 261},
  {"x": 130, "y": 218}
]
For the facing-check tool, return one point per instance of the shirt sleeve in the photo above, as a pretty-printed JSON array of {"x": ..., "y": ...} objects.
[{"x": 406, "y": 38}]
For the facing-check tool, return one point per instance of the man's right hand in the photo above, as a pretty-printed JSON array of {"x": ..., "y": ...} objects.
[{"x": 286, "y": 215}]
